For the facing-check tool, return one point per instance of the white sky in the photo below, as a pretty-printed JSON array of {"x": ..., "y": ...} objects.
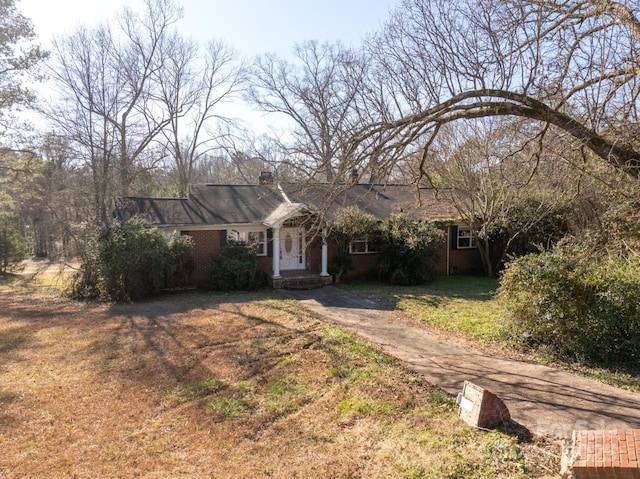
[{"x": 251, "y": 26}]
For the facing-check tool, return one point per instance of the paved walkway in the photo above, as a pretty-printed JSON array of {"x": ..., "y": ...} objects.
[{"x": 543, "y": 399}]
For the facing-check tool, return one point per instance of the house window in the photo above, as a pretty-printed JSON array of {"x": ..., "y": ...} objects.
[
  {"x": 466, "y": 239},
  {"x": 255, "y": 238},
  {"x": 233, "y": 235},
  {"x": 361, "y": 245},
  {"x": 258, "y": 239}
]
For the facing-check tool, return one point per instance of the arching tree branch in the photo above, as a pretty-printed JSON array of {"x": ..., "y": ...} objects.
[{"x": 488, "y": 102}]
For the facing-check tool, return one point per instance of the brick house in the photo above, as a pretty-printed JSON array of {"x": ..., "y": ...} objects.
[{"x": 295, "y": 221}]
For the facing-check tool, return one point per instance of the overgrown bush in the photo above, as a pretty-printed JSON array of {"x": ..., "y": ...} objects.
[
  {"x": 234, "y": 268},
  {"x": 351, "y": 223},
  {"x": 580, "y": 301},
  {"x": 131, "y": 261},
  {"x": 181, "y": 263},
  {"x": 533, "y": 222},
  {"x": 407, "y": 247},
  {"x": 87, "y": 283},
  {"x": 408, "y": 250},
  {"x": 342, "y": 261}
]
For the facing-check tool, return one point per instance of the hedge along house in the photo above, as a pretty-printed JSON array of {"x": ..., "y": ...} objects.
[{"x": 290, "y": 225}]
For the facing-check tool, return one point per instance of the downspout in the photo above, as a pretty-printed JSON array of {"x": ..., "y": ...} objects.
[{"x": 448, "y": 250}]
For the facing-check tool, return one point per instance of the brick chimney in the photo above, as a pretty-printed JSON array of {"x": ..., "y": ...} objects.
[
  {"x": 353, "y": 179},
  {"x": 265, "y": 178}
]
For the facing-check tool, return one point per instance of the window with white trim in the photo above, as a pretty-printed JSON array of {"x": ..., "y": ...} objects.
[
  {"x": 362, "y": 245},
  {"x": 466, "y": 238},
  {"x": 255, "y": 238},
  {"x": 234, "y": 235},
  {"x": 258, "y": 239}
]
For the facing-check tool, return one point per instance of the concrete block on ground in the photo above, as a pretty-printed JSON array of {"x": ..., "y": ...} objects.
[{"x": 479, "y": 407}]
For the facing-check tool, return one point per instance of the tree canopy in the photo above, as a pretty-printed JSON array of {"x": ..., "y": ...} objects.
[
  {"x": 17, "y": 57},
  {"x": 568, "y": 64}
]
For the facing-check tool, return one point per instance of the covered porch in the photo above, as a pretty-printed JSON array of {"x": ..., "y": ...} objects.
[{"x": 289, "y": 261}]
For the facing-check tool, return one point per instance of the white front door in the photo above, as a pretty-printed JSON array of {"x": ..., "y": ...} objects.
[{"x": 292, "y": 248}]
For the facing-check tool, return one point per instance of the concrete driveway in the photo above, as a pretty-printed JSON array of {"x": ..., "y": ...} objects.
[{"x": 546, "y": 401}]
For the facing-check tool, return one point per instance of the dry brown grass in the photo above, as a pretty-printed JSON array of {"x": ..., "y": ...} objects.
[{"x": 217, "y": 386}]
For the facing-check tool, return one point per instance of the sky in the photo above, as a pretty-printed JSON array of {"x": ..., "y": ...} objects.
[{"x": 251, "y": 26}]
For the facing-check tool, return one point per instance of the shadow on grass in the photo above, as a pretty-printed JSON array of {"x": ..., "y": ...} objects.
[
  {"x": 153, "y": 343},
  {"x": 190, "y": 337}
]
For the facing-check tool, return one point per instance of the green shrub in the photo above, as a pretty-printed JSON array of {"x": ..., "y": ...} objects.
[
  {"x": 351, "y": 223},
  {"x": 234, "y": 268},
  {"x": 579, "y": 303},
  {"x": 87, "y": 283},
  {"x": 407, "y": 247},
  {"x": 342, "y": 261},
  {"x": 533, "y": 222},
  {"x": 181, "y": 263},
  {"x": 408, "y": 250},
  {"x": 131, "y": 261}
]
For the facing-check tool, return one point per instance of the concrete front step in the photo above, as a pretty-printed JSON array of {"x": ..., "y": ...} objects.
[
  {"x": 308, "y": 282},
  {"x": 301, "y": 280}
]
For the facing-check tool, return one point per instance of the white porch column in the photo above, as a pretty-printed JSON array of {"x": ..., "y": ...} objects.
[
  {"x": 276, "y": 253},
  {"x": 325, "y": 253}
]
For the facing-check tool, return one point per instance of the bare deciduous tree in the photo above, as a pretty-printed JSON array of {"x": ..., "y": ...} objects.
[
  {"x": 318, "y": 94},
  {"x": 569, "y": 64},
  {"x": 108, "y": 105},
  {"x": 192, "y": 89}
]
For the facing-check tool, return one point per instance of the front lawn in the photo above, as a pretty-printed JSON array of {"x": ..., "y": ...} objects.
[
  {"x": 221, "y": 385},
  {"x": 461, "y": 304}
]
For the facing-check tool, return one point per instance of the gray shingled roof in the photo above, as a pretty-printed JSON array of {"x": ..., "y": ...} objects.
[
  {"x": 380, "y": 200},
  {"x": 219, "y": 205},
  {"x": 207, "y": 205}
]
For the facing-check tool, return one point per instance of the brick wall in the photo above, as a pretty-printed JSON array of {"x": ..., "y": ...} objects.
[
  {"x": 461, "y": 261},
  {"x": 265, "y": 264},
  {"x": 366, "y": 266},
  {"x": 206, "y": 244},
  {"x": 314, "y": 254},
  {"x": 465, "y": 261},
  {"x": 440, "y": 266},
  {"x": 597, "y": 454}
]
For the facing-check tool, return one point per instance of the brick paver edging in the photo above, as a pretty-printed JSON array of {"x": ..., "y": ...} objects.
[{"x": 596, "y": 454}]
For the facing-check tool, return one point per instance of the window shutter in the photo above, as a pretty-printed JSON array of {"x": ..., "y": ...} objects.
[
  {"x": 270, "y": 243},
  {"x": 223, "y": 238},
  {"x": 454, "y": 237}
]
